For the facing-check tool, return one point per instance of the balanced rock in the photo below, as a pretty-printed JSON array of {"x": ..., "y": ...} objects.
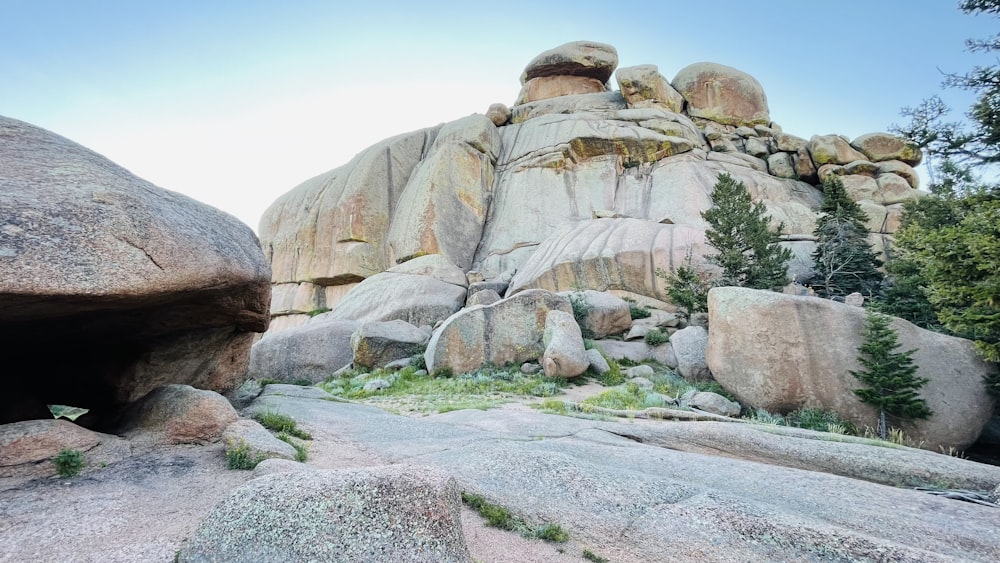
[
  {"x": 811, "y": 348},
  {"x": 643, "y": 86},
  {"x": 578, "y": 58},
  {"x": 392, "y": 513},
  {"x": 510, "y": 331},
  {"x": 311, "y": 352},
  {"x": 832, "y": 149},
  {"x": 139, "y": 285},
  {"x": 883, "y": 146},
  {"x": 545, "y": 87},
  {"x": 722, "y": 94}
]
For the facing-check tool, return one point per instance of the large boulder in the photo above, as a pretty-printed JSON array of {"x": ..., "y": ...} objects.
[
  {"x": 138, "y": 285},
  {"x": 545, "y": 87},
  {"x": 506, "y": 332},
  {"x": 689, "y": 345},
  {"x": 177, "y": 414},
  {"x": 643, "y": 86},
  {"x": 605, "y": 313},
  {"x": 832, "y": 149},
  {"x": 565, "y": 354},
  {"x": 378, "y": 343},
  {"x": 421, "y": 291},
  {"x": 577, "y": 58},
  {"x": 27, "y": 446},
  {"x": 722, "y": 94},
  {"x": 782, "y": 352},
  {"x": 392, "y": 513},
  {"x": 884, "y": 146},
  {"x": 310, "y": 352}
]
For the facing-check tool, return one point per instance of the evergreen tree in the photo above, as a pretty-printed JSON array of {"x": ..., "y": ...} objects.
[
  {"x": 687, "y": 287},
  {"x": 748, "y": 251},
  {"x": 890, "y": 376},
  {"x": 844, "y": 260}
]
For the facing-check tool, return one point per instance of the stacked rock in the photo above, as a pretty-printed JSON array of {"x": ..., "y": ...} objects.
[{"x": 580, "y": 67}]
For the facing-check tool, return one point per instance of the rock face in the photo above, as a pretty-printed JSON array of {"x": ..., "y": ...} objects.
[
  {"x": 393, "y": 513},
  {"x": 140, "y": 286},
  {"x": 311, "y": 352},
  {"x": 781, "y": 352},
  {"x": 506, "y": 332},
  {"x": 723, "y": 94}
]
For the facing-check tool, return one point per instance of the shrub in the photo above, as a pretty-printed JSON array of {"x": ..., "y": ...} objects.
[
  {"x": 581, "y": 308},
  {"x": 239, "y": 455},
  {"x": 635, "y": 311},
  {"x": 68, "y": 463},
  {"x": 655, "y": 337}
]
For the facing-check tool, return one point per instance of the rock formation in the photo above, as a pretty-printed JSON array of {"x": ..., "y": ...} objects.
[{"x": 112, "y": 286}]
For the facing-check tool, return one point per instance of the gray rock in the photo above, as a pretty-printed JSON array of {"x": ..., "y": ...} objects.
[
  {"x": 642, "y": 382},
  {"x": 607, "y": 314},
  {"x": 639, "y": 371},
  {"x": 636, "y": 351},
  {"x": 577, "y": 58},
  {"x": 689, "y": 347},
  {"x": 499, "y": 114},
  {"x": 261, "y": 443},
  {"x": 901, "y": 169},
  {"x": 608, "y": 101},
  {"x": 713, "y": 403},
  {"x": 377, "y": 385},
  {"x": 312, "y": 352},
  {"x": 143, "y": 286},
  {"x": 597, "y": 362},
  {"x": 796, "y": 370},
  {"x": 483, "y": 297},
  {"x": 565, "y": 355},
  {"x": 397, "y": 513},
  {"x": 780, "y": 164},
  {"x": 245, "y": 394},
  {"x": 664, "y": 354},
  {"x": 376, "y": 344},
  {"x": 530, "y": 368},
  {"x": 508, "y": 331},
  {"x": 722, "y": 94},
  {"x": 643, "y": 87}
]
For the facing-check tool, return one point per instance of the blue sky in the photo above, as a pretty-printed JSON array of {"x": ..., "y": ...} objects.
[{"x": 236, "y": 102}]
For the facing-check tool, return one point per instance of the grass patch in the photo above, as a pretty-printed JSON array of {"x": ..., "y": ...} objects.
[
  {"x": 281, "y": 423},
  {"x": 319, "y": 311},
  {"x": 413, "y": 390},
  {"x": 68, "y": 463},
  {"x": 628, "y": 397},
  {"x": 239, "y": 455},
  {"x": 591, "y": 556},
  {"x": 820, "y": 420},
  {"x": 301, "y": 451},
  {"x": 499, "y": 517}
]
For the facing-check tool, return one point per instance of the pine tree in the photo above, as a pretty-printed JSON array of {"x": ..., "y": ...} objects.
[
  {"x": 893, "y": 386},
  {"x": 844, "y": 259},
  {"x": 748, "y": 251},
  {"x": 687, "y": 286}
]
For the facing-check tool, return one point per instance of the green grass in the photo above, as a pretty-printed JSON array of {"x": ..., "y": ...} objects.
[
  {"x": 408, "y": 389},
  {"x": 591, "y": 556},
  {"x": 655, "y": 337},
  {"x": 301, "y": 451},
  {"x": 68, "y": 463},
  {"x": 499, "y": 517},
  {"x": 239, "y": 455},
  {"x": 319, "y": 311},
  {"x": 278, "y": 422},
  {"x": 626, "y": 397}
]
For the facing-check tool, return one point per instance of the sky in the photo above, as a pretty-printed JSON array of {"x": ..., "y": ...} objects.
[{"x": 234, "y": 103}]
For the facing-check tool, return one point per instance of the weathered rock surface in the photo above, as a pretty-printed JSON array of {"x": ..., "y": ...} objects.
[
  {"x": 643, "y": 87},
  {"x": 506, "y": 332},
  {"x": 177, "y": 414},
  {"x": 577, "y": 58},
  {"x": 309, "y": 352},
  {"x": 141, "y": 286},
  {"x": 421, "y": 291},
  {"x": 883, "y": 146},
  {"x": 26, "y": 447},
  {"x": 689, "y": 345},
  {"x": 607, "y": 314},
  {"x": 782, "y": 352},
  {"x": 832, "y": 149},
  {"x": 376, "y": 344},
  {"x": 247, "y": 433},
  {"x": 722, "y": 94},
  {"x": 713, "y": 403},
  {"x": 396, "y": 513},
  {"x": 565, "y": 355},
  {"x": 545, "y": 87}
]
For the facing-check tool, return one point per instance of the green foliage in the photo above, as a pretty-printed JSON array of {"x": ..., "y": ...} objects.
[
  {"x": 686, "y": 286},
  {"x": 499, "y": 517},
  {"x": 614, "y": 376},
  {"x": 239, "y": 455},
  {"x": 844, "y": 260},
  {"x": 906, "y": 296},
  {"x": 635, "y": 311},
  {"x": 278, "y": 422},
  {"x": 820, "y": 420},
  {"x": 655, "y": 337},
  {"x": 595, "y": 558},
  {"x": 319, "y": 311},
  {"x": 68, "y": 463},
  {"x": 581, "y": 309},
  {"x": 301, "y": 451},
  {"x": 890, "y": 376},
  {"x": 747, "y": 250}
]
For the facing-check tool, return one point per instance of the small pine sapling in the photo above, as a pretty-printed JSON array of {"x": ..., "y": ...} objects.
[{"x": 892, "y": 384}]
